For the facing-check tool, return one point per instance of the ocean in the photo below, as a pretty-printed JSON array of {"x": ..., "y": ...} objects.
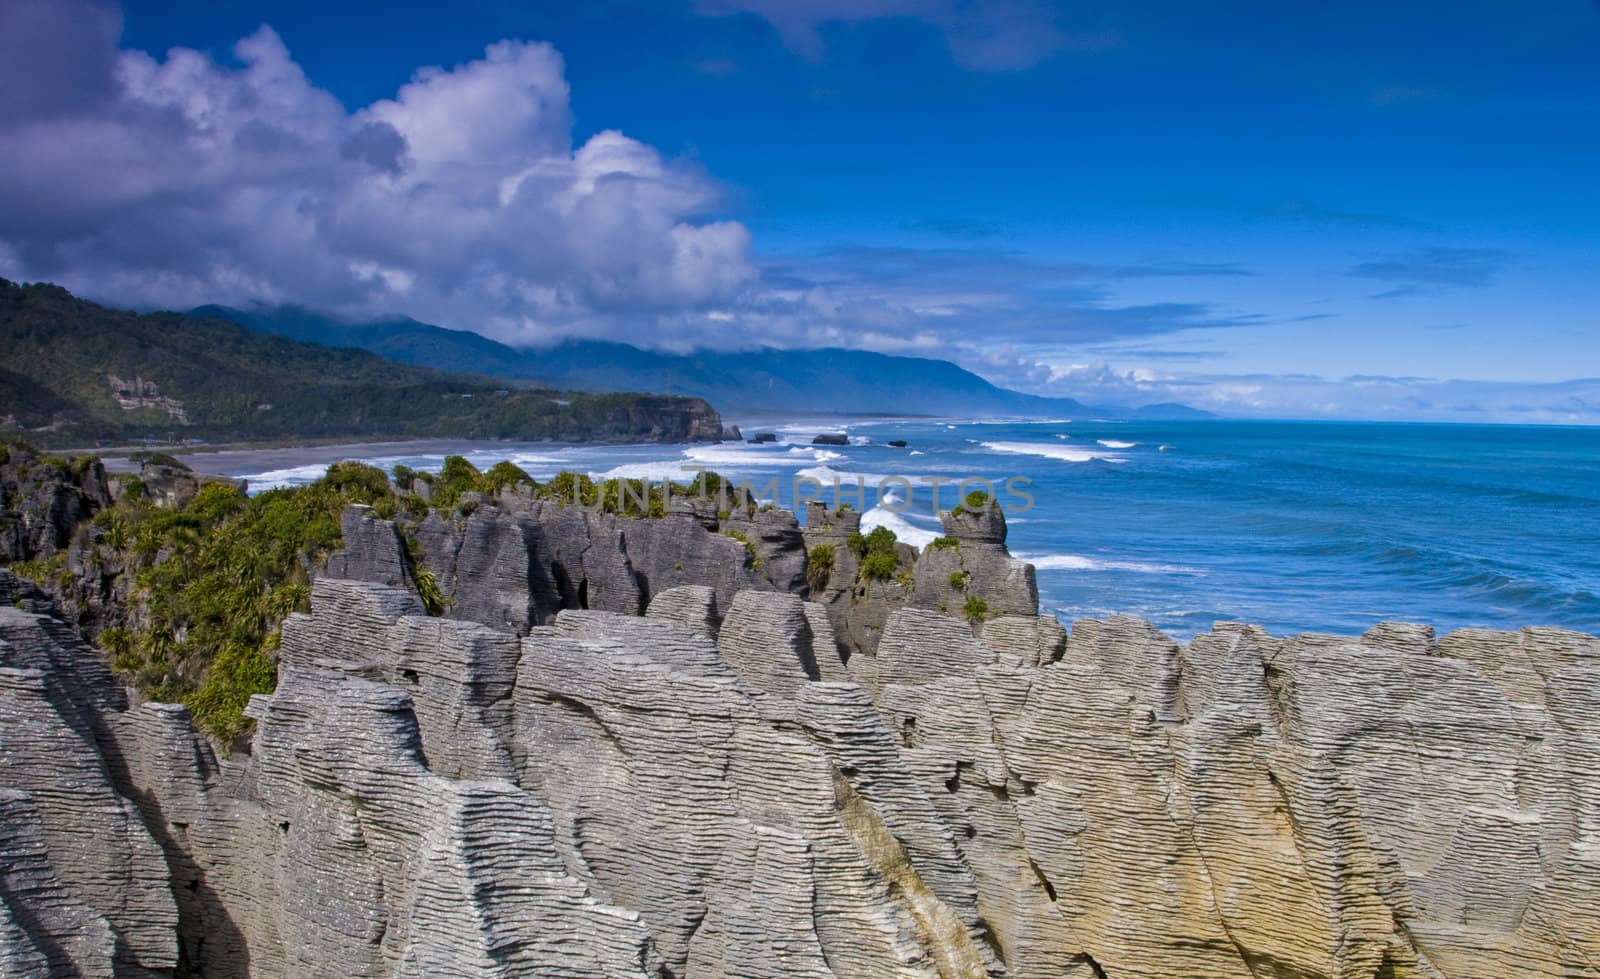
[{"x": 1295, "y": 526}]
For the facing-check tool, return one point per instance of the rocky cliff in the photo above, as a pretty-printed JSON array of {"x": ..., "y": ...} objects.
[{"x": 602, "y": 763}]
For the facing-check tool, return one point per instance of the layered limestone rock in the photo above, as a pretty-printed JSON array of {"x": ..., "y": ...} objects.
[
  {"x": 713, "y": 789},
  {"x": 60, "y": 743},
  {"x": 512, "y": 563},
  {"x": 974, "y": 548},
  {"x": 45, "y": 928}
]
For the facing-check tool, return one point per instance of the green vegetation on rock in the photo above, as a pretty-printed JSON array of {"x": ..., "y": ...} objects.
[
  {"x": 503, "y": 474},
  {"x": 819, "y": 566},
  {"x": 743, "y": 538},
  {"x": 877, "y": 553},
  {"x": 213, "y": 581},
  {"x": 190, "y": 597},
  {"x": 975, "y": 609}
]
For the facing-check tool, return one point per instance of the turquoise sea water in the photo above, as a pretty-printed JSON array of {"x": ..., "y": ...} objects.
[{"x": 1295, "y": 526}]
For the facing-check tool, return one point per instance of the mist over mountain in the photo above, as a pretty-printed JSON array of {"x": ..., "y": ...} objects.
[{"x": 765, "y": 378}]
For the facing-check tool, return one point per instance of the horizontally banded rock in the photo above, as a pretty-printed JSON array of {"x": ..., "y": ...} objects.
[
  {"x": 720, "y": 788},
  {"x": 974, "y": 547},
  {"x": 57, "y": 745},
  {"x": 45, "y": 928},
  {"x": 512, "y": 563}
]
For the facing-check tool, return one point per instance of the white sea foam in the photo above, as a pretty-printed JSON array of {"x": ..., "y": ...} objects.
[
  {"x": 542, "y": 467},
  {"x": 733, "y": 456},
  {"x": 1062, "y": 453},
  {"x": 827, "y": 474},
  {"x": 538, "y": 460},
  {"x": 903, "y": 529},
  {"x": 918, "y": 452},
  {"x": 815, "y": 454},
  {"x": 283, "y": 478},
  {"x": 1076, "y": 562},
  {"x": 654, "y": 470},
  {"x": 1114, "y": 444},
  {"x": 1166, "y": 448}
]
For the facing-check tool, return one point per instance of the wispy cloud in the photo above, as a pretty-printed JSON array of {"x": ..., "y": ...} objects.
[
  {"x": 1398, "y": 292},
  {"x": 1308, "y": 212},
  {"x": 1003, "y": 295},
  {"x": 1176, "y": 269},
  {"x": 717, "y": 67},
  {"x": 1435, "y": 267},
  {"x": 983, "y": 35},
  {"x": 1358, "y": 396},
  {"x": 964, "y": 229},
  {"x": 1295, "y": 211}
]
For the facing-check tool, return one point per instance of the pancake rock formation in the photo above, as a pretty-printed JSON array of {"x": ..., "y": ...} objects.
[{"x": 643, "y": 748}]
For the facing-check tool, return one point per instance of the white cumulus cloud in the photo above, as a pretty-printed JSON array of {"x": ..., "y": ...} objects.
[{"x": 173, "y": 180}]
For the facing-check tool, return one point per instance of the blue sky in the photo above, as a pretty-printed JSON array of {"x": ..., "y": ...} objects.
[{"x": 1262, "y": 208}]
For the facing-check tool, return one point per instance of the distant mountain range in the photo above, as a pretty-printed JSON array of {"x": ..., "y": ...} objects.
[
  {"x": 764, "y": 379},
  {"x": 73, "y": 372}
]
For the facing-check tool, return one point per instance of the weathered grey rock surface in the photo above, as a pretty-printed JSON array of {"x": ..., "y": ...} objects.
[
  {"x": 589, "y": 769},
  {"x": 43, "y": 500}
]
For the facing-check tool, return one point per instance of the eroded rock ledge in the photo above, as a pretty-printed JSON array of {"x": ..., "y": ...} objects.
[{"x": 750, "y": 780}]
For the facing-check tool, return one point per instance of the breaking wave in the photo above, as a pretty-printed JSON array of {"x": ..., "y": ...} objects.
[
  {"x": 1076, "y": 562},
  {"x": 1062, "y": 453}
]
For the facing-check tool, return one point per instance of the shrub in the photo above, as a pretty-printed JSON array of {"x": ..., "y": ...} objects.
[
  {"x": 213, "y": 580},
  {"x": 458, "y": 476},
  {"x": 403, "y": 476},
  {"x": 959, "y": 579},
  {"x": 819, "y": 566},
  {"x": 40, "y": 572},
  {"x": 879, "y": 565},
  {"x": 503, "y": 474},
  {"x": 356, "y": 480},
  {"x": 877, "y": 552},
  {"x": 567, "y": 487},
  {"x": 214, "y": 502},
  {"x": 741, "y": 537},
  {"x": 976, "y": 499},
  {"x": 975, "y": 610},
  {"x": 433, "y": 600},
  {"x": 630, "y": 498},
  {"x": 711, "y": 485},
  {"x": 945, "y": 544}
]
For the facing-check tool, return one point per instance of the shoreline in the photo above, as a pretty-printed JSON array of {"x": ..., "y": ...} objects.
[{"x": 310, "y": 453}]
